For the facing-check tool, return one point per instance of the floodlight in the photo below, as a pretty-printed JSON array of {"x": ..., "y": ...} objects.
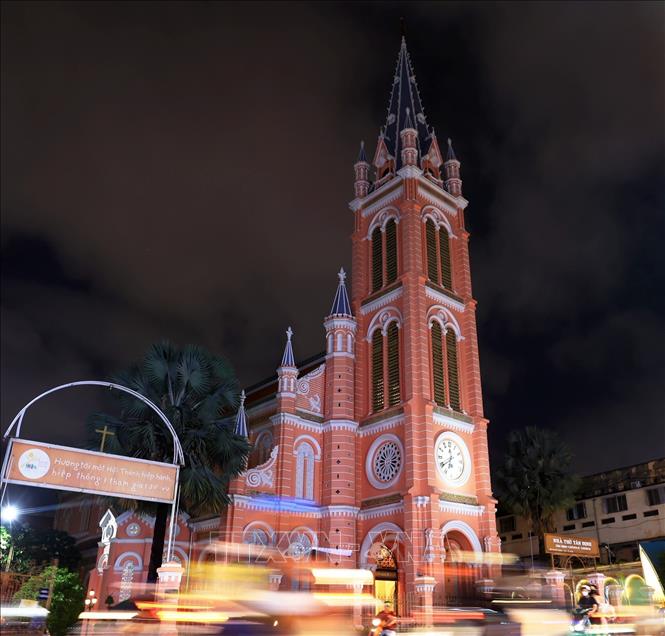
[{"x": 10, "y": 513}]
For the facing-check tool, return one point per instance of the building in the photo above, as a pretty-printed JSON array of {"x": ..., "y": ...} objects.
[
  {"x": 619, "y": 508},
  {"x": 373, "y": 453}
]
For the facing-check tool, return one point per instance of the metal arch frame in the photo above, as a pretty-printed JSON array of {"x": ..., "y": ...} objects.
[{"x": 178, "y": 455}]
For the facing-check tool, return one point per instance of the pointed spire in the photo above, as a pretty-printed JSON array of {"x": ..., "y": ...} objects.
[
  {"x": 288, "y": 359},
  {"x": 451, "y": 153},
  {"x": 405, "y": 95},
  {"x": 341, "y": 305},
  {"x": 241, "y": 418},
  {"x": 361, "y": 155}
]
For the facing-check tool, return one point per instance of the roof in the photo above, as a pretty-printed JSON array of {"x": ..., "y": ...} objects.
[
  {"x": 288, "y": 359},
  {"x": 405, "y": 96},
  {"x": 341, "y": 305}
]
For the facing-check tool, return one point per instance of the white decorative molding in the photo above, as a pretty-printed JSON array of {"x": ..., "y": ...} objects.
[
  {"x": 380, "y": 198},
  {"x": 340, "y": 323},
  {"x": 381, "y": 301},
  {"x": 440, "y": 197},
  {"x": 311, "y": 441},
  {"x": 446, "y": 319},
  {"x": 383, "y": 319},
  {"x": 340, "y": 425},
  {"x": 451, "y": 422},
  {"x": 409, "y": 172},
  {"x": 381, "y": 511},
  {"x": 262, "y": 475},
  {"x": 421, "y": 501},
  {"x": 383, "y": 425},
  {"x": 304, "y": 382},
  {"x": 340, "y": 511},
  {"x": 438, "y": 218},
  {"x": 381, "y": 219},
  {"x": 444, "y": 299},
  {"x": 425, "y": 584},
  {"x": 379, "y": 531},
  {"x": 461, "y": 508},
  {"x": 278, "y": 504},
  {"x": 205, "y": 524},
  {"x": 466, "y": 530}
]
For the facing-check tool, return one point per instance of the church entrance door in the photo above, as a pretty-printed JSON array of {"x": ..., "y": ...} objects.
[{"x": 385, "y": 577}]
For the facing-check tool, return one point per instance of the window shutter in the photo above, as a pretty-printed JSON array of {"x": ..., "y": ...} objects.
[
  {"x": 437, "y": 365},
  {"x": 444, "y": 251},
  {"x": 377, "y": 371},
  {"x": 391, "y": 251},
  {"x": 377, "y": 260},
  {"x": 430, "y": 240},
  {"x": 453, "y": 375},
  {"x": 393, "y": 365}
]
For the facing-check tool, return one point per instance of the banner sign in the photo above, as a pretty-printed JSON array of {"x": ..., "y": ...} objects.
[
  {"x": 63, "y": 468},
  {"x": 575, "y": 546}
]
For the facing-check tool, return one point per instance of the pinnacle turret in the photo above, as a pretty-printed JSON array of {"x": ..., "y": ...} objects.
[
  {"x": 288, "y": 359},
  {"x": 453, "y": 182},
  {"x": 451, "y": 153},
  {"x": 362, "y": 157},
  {"x": 341, "y": 305},
  {"x": 241, "y": 418}
]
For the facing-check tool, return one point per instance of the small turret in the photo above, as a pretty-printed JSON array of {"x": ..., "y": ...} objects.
[
  {"x": 409, "y": 136},
  {"x": 452, "y": 172},
  {"x": 340, "y": 325},
  {"x": 287, "y": 371},
  {"x": 241, "y": 418},
  {"x": 361, "y": 169}
]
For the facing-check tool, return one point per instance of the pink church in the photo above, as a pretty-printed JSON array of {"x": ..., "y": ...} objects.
[{"x": 372, "y": 454}]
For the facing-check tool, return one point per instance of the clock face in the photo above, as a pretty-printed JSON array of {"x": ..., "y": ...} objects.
[{"x": 452, "y": 459}]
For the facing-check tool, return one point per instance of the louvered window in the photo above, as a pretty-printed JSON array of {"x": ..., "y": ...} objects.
[
  {"x": 391, "y": 251},
  {"x": 444, "y": 252},
  {"x": 393, "y": 365},
  {"x": 377, "y": 371},
  {"x": 453, "y": 374},
  {"x": 377, "y": 260},
  {"x": 437, "y": 365},
  {"x": 430, "y": 240}
]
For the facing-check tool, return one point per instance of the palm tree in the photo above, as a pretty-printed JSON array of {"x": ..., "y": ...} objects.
[
  {"x": 195, "y": 389},
  {"x": 534, "y": 481}
]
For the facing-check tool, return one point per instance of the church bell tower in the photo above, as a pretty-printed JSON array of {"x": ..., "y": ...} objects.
[{"x": 425, "y": 496}]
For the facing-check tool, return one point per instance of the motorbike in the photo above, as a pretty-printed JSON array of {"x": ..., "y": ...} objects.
[{"x": 581, "y": 621}]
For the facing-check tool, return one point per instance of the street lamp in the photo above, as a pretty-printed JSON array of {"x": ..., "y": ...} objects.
[
  {"x": 9, "y": 513},
  {"x": 91, "y": 600}
]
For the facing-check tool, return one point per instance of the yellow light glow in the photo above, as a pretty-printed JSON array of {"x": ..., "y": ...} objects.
[
  {"x": 192, "y": 617},
  {"x": 337, "y": 576},
  {"x": 115, "y": 615}
]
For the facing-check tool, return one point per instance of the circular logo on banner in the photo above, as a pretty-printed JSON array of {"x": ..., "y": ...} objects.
[{"x": 34, "y": 463}]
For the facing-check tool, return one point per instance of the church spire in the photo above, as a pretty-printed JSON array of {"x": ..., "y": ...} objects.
[
  {"x": 288, "y": 359},
  {"x": 341, "y": 305},
  {"x": 405, "y": 104},
  {"x": 241, "y": 418}
]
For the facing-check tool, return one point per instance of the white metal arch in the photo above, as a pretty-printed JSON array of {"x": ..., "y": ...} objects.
[{"x": 178, "y": 456}]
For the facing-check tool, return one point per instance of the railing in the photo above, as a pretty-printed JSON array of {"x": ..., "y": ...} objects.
[{"x": 10, "y": 583}]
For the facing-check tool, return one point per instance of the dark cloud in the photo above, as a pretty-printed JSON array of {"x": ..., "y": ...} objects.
[{"x": 182, "y": 170}]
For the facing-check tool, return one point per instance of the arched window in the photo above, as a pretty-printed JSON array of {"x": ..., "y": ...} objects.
[
  {"x": 377, "y": 370},
  {"x": 437, "y": 244},
  {"x": 437, "y": 365},
  {"x": 377, "y": 259},
  {"x": 386, "y": 391},
  {"x": 305, "y": 471},
  {"x": 430, "y": 241},
  {"x": 445, "y": 371},
  {"x": 453, "y": 375},
  {"x": 391, "y": 251},
  {"x": 444, "y": 253},
  {"x": 393, "y": 365},
  {"x": 263, "y": 447}
]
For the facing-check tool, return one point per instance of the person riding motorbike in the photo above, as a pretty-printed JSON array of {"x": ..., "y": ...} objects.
[
  {"x": 585, "y": 606},
  {"x": 387, "y": 621}
]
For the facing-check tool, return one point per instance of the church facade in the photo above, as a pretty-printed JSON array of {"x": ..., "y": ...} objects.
[{"x": 374, "y": 453}]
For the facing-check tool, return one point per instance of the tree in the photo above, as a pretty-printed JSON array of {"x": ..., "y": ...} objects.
[
  {"x": 195, "y": 389},
  {"x": 33, "y": 547},
  {"x": 66, "y": 597},
  {"x": 534, "y": 481}
]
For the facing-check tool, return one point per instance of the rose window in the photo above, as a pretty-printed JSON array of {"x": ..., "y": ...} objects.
[{"x": 387, "y": 461}]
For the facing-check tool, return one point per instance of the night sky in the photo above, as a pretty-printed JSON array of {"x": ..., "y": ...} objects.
[{"x": 183, "y": 171}]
